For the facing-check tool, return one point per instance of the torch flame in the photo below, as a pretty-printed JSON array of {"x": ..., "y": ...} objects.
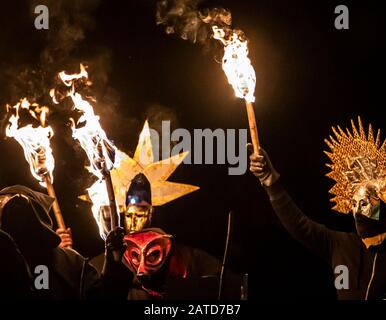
[
  {"x": 101, "y": 153},
  {"x": 35, "y": 141},
  {"x": 68, "y": 79},
  {"x": 236, "y": 64},
  {"x": 87, "y": 130}
]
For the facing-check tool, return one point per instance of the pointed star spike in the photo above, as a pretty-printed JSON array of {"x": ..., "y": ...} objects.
[
  {"x": 383, "y": 147},
  {"x": 329, "y": 144},
  {"x": 329, "y": 165},
  {"x": 361, "y": 130},
  {"x": 334, "y": 142},
  {"x": 165, "y": 191},
  {"x": 144, "y": 151},
  {"x": 329, "y": 154},
  {"x": 354, "y": 129},
  {"x": 370, "y": 137},
  {"x": 349, "y": 133},
  {"x": 162, "y": 170},
  {"x": 126, "y": 169},
  {"x": 378, "y": 139},
  {"x": 338, "y": 136},
  {"x": 342, "y": 133},
  {"x": 331, "y": 175}
]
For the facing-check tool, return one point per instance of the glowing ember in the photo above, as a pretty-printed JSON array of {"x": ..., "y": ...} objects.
[
  {"x": 35, "y": 141},
  {"x": 236, "y": 64}
]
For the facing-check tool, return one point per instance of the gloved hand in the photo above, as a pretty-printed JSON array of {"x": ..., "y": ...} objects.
[
  {"x": 115, "y": 246},
  {"x": 116, "y": 277},
  {"x": 262, "y": 167}
]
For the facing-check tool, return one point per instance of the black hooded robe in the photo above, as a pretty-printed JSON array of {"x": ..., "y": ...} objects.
[{"x": 70, "y": 274}]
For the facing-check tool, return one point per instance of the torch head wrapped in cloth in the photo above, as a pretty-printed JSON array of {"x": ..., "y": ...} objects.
[{"x": 34, "y": 140}]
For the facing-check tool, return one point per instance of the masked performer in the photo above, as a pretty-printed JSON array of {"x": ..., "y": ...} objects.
[
  {"x": 65, "y": 274},
  {"x": 161, "y": 267},
  {"x": 359, "y": 170}
]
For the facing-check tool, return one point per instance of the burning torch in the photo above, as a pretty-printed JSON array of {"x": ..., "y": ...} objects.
[
  {"x": 36, "y": 147},
  {"x": 240, "y": 73},
  {"x": 93, "y": 140}
]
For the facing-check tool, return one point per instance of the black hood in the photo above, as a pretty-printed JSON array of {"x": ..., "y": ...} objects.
[
  {"x": 38, "y": 206},
  {"x": 139, "y": 192}
]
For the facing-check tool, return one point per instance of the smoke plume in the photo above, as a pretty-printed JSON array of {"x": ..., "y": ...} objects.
[{"x": 186, "y": 19}]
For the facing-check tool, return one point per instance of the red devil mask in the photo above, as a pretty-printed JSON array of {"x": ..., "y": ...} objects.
[{"x": 147, "y": 251}]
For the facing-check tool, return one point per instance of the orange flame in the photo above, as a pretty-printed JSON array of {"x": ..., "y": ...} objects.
[
  {"x": 101, "y": 153},
  {"x": 35, "y": 141},
  {"x": 87, "y": 130},
  {"x": 236, "y": 64}
]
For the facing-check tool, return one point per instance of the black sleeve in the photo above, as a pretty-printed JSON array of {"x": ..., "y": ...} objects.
[
  {"x": 316, "y": 237},
  {"x": 15, "y": 278},
  {"x": 114, "y": 282}
]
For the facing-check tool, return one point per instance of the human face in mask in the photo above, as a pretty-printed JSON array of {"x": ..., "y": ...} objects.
[
  {"x": 366, "y": 202},
  {"x": 137, "y": 217},
  {"x": 147, "y": 252}
]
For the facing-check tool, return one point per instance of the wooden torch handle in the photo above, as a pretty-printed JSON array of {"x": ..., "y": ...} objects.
[
  {"x": 55, "y": 205},
  {"x": 253, "y": 127}
]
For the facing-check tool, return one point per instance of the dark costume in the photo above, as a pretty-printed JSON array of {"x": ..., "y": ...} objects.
[
  {"x": 24, "y": 216},
  {"x": 358, "y": 167},
  {"x": 164, "y": 269},
  {"x": 180, "y": 272},
  {"x": 15, "y": 278},
  {"x": 366, "y": 267}
]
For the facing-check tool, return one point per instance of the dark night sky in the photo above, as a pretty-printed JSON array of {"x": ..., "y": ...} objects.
[{"x": 309, "y": 76}]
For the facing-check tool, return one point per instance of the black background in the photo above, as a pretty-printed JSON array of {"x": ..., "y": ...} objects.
[{"x": 309, "y": 76}]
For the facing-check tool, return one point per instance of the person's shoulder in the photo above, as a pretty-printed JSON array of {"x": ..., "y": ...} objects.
[
  {"x": 346, "y": 239},
  {"x": 198, "y": 259},
  {"x": 69, "y": 255},
  {"x": 6, "y": 241}
]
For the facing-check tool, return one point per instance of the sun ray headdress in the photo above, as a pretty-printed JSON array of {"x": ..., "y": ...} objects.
[
  {"x": 126, "y": 168},
  {"x": 358, "y": 159}
]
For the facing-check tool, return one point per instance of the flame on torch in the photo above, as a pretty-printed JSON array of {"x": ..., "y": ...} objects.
[
  {"x": 236, "y": 64},
  {"x": 36, "y": 147},
  {"x": 87, "y": 130},
  {"x": 35, "y": 141},
  {"x": 93, "y": 140},
  {"x": 240, "y": 73}
]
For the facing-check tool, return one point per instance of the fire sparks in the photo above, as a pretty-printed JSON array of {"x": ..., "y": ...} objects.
[
  {"x": 34, "y": 140},
  {"x": 236, "y": 64}
]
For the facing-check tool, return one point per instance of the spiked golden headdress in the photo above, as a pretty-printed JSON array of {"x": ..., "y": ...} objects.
[
  {"x": 126, "y": 168},
  {"x": 357, "y": 159},
  {"x": 157, "y": 173}
]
